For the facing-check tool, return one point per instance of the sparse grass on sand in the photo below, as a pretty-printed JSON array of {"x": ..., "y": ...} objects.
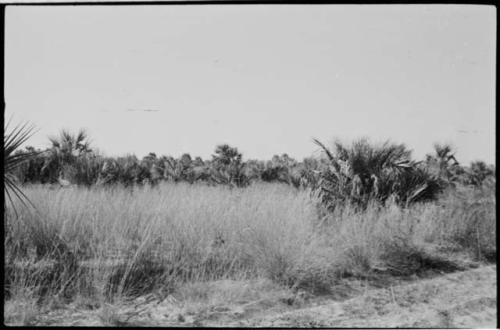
[{"x": 101, "y": 246}]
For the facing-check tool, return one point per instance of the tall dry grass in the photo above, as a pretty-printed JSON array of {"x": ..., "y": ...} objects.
[{"x": 107, "y": 243}]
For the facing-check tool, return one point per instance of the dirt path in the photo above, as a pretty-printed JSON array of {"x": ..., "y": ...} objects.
[
  {"x": 465, "y": 299},
  {"x": 459, "y": 300}
]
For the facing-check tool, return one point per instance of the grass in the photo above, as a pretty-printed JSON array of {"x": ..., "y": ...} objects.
[{"x": 202, "y": 244}]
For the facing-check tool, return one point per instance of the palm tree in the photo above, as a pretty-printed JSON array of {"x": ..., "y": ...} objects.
[
  {"x": 443, "y": 163},
  {"x": 253, "y": 169},
  {"x": 363, "y": 171},
  {"x": 65, "y": 151},
  {"x": 172, "y": 169},
  {"x": 228, "y": 167},
  {"x": 180, "y": 169},
  {"x": 226, "y": 155},
  {"x": 479, "y": 172},
  {"x": 12, "y": 160},
  {"x": 280, "y": 169}
]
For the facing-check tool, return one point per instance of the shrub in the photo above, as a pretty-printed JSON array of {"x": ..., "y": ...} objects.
[{"x": 362, "y": 172}]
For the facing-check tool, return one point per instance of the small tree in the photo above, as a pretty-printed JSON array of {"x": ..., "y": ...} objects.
[
  {"x": 478, "y": 172},
  {"x": 227, "y": 166},
  {"x": 443, "y": 164},
  {"x": 279, "y": 169},
  {"x": 64, "y": 153},
  {"x": 253, "y": 169}
]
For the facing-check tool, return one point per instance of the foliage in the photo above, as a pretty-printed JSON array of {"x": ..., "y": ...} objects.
[
  {"x": 14, "y": 159},
  {"x": 108, "y": 241},
  {"x": 352, "y": 174},
  {"x": 362, "y": 172},
  {"x": 444, "y": 165},
  {"x": 227, "y": 167},
  {"x": 65, "y": 152},
  {"x": 478, "y": 173}
]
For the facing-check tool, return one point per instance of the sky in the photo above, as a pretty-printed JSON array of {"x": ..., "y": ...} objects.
[{"x": 266, "y": 79}]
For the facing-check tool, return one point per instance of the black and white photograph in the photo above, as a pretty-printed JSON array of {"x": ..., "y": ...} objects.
[{"x": 210, "y": 164}]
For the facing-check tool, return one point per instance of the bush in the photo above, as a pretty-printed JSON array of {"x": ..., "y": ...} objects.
[{"x": 364, "y": 172}]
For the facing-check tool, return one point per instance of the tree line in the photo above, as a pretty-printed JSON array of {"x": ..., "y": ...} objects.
[{"x": 358, "y": 173}]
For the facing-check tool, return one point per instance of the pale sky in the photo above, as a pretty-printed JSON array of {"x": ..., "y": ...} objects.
[{"x": 263, "y": 78}]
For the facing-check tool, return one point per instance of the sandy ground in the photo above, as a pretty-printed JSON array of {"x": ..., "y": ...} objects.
[
  {"x": 460, "y": 300},
  {"x": 465, "y": 299}
]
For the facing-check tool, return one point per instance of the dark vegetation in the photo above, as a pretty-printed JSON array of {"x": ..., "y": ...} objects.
[
  {"x": 356, "y": 211},
  {"x": 355, "y": 173}
]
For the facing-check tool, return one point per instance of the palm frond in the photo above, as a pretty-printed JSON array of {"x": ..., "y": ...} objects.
[
  {"x": 17, "y": 137},
  {"x": 330, "y": 156},
  {"x": 417, "y": 192},
  {"x": 13, "y": 187},
  {"x": 325, "y": 149},
  {"x": 54, "y": 141},
  {"x": 12, "y": 142},
  {"x": 81, "y": 136}
]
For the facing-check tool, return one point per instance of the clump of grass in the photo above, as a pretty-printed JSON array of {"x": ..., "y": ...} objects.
[
  {"x": 114, "y": 243},
  {"x": 464, "y": 219},
  {"x": 129, "y": 243}
]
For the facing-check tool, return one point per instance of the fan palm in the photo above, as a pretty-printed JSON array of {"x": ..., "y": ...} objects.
[
  {"x": 228, "y": 167},
  {"x": 64, "y": 151},
  {"x": 478, "y": 172},
  {"x": 12, "y": 160},
  {"x": 443, "y": 162},
  {"x": 363, "y": 171}
]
